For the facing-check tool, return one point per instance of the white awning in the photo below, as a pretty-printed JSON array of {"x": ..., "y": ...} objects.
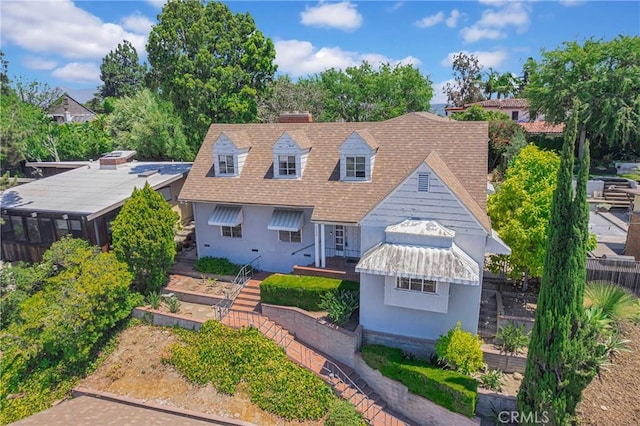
[
  {"x": 431, "y": 263},
  {"x": 286, "y": 220},
  {"x": 495, "y": 245},
  {"x": 226, "y": 216}
]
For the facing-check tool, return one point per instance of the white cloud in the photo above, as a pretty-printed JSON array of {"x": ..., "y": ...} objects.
[
  {"x": 137, "y": 23},
  {"x": 78, "y": 72},
  {"x": 298, "y": 58},
  {"x": 397, "y": 5},
  {"x": 571, "y": 3},
  {"x": 35, "y": 63},
  {"x": 430, "y": 21},
  {"x": 475, "y": 33},
  {"x": 342, "y": 15},
  {"x": 495, "y": 21},
  {"x": 438, "y": 91},
  {"x": 452, "y": 20},
  {"x": 157, "y": 3},
  {"x": 488, "y": 59},
  {"x": 58, "y": 26}
]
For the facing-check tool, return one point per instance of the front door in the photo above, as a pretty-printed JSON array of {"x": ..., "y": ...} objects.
[{"x": 339, "y": 239}]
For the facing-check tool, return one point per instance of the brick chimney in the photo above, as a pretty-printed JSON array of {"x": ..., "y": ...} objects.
[
  {"x": 113, "y": 159},
  {"x": 296, "y": 117}
]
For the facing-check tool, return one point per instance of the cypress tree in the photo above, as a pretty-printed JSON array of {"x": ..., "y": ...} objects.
[{"x": 560, "y": 361}]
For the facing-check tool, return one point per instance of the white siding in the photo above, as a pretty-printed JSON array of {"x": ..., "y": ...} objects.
[
  {"x": 256, "y": 240},
  {"x": 355, "y": 146},
  {"x": 225, "y": 146}
]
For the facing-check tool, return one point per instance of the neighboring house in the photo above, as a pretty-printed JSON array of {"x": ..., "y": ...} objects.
[
  {"x": 68, "y": 110},
  {"x": 81, "y": 202},
  {"x": 404, "y": 199},
  {"x": 518, "y": 110}
]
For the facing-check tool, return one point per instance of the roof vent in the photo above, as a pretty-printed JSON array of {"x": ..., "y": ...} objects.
[
  {"x": 113, "y": 159},
  {"x": 148, "y": 173}
]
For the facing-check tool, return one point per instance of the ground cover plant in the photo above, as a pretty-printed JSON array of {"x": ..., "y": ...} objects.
[
  {"x": 228, "y": 358},
  {"x": 447, "y": 388},
  {"x": 216, "y": 265},
  {"x": 340, "y": 304},
  {"x": 301, "y": 291}
]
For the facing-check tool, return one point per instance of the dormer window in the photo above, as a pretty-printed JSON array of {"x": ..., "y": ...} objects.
[
  {"x": 356, "y": 167},
  {"x": 290, "y": 153},
  {"x": 287, "y": 165},
  {"x": 226, "y": 164},
  {"x": 230, "y": 153},
  {"x": 357, "y": 155}
]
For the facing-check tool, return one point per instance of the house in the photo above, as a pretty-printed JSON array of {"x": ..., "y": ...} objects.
[
  {"x": 516, "y": 108},
  {"x": 543, "y": 128},
  {"x": 81, "y": 202},
  {"x": 68, "y": 110},
  {"x": 403, "y": 200}
]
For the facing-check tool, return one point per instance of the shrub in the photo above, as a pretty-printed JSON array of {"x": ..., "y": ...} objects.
[
  {"x": 616, "y": 302},
  {"x": 225, "y": 357},
  {"x": 513, "y": 339},
  {"x": 447, "y": 388},
  {"x": 172, "y": 303},
  {"x": 492, "y": 380},
  {"x": 343, "y": 413},
  {"x": 460, "y": 350},
  {"x": 340, "y": 304},
  {"x": 216, "y": 265},
  {"x": 301, "y": 291}
]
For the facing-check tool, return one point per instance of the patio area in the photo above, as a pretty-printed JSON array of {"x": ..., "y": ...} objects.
[{"x": 343, "y": 268}]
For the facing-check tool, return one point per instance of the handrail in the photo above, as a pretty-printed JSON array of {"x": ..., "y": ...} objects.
[
  {"x": 303, "y": 248},
  {"x": 243, "y": 274}
]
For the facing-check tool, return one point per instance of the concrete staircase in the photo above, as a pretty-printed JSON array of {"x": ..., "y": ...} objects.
[
  {"x": 612, "y": 194},
  {"x": 248, "y": 300}
]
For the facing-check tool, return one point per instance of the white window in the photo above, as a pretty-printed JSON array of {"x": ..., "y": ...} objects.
[
  {"x": 231, "y": 231},
  {"x": 286, "y": 165},
  {"x": 423, "y": 182},
  {"x": 356, "y": 167},
  {"x": 290, "y": 236},
  {"x": 416, "y": 284},
  {"x": 226, "y": 165}
]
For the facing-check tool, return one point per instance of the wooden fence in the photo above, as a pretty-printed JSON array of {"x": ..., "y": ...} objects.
[{"x": 623, "y": 273}]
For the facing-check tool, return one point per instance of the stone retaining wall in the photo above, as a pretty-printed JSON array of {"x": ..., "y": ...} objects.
[
  {"x": 334, "y": 341},
  {"x": 489, "y": 404},
  {"x": 165, "y": 319}
]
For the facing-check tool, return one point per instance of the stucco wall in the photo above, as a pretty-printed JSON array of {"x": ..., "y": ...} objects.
[{"x": 256, "y": 240}]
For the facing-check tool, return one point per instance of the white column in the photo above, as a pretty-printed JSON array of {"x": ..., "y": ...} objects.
[
  {"x": 316, "y": 235},
  {"x": 323, "y": 253}
]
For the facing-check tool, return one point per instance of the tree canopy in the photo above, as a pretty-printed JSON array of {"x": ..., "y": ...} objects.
[
  {"x": 364, "y": 93},
  {"x": 521, "y": 208},
  {"x": 148, "y": 125},
  {"x": 121, "y": 72},
  {"x": 213, "y": 65},
  {"x": 283, "y": 95},
  {"x": 143, "y": 237},
  {"x": 604, "y": 76},
  {"x": 468, "y": 85}
]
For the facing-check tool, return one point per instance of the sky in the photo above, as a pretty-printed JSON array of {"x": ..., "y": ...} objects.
[{"x": 62, "y": 42}]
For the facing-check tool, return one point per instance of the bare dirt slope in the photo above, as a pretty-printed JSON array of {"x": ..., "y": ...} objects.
[
  {"x": 134, "y": 369},
  {"x": 613, "y": 398}
]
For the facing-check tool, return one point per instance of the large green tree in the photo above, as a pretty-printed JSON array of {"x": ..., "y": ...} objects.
[
  {"x": 604, "y": 76},
  {"x": 121, "y": 72},
  {"x": 212, "y": 64},
  {"x": 468, "y": 85},
  {"x": 560, "y": 361},
  {"x": 283, "y": 95},
  {"x": 150, "y": 126},
  {"x": 365, "y": 93},
  {"x": 521, "y": 208},
  {"x": 143, "y": 237}
]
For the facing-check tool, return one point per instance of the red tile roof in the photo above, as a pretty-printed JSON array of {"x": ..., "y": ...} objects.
[
  {"x": 543, "y": 127},
  {"x": 503, "y": 103}
]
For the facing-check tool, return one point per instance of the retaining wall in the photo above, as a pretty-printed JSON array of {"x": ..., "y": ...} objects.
[
  {"x": 165, "y": 319},
  {"x": 337, "y": 342}
]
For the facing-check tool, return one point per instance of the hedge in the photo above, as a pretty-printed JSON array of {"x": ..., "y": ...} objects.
[
  {"x": 301, "y": 291},
  {"x": 216, "y": 265},
  {"x": 447, "y": 388}
]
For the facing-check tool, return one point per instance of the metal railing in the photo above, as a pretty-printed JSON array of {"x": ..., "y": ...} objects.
[
  {"x": 303, "y": 248},
  {"x": 246, "y": 272}
]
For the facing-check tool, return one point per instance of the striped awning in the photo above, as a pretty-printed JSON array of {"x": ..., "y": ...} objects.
[
  {"x": 286, "y": 220},
  {"x": 226, "y": 216},
  {"x": 430, "y": 263}
]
